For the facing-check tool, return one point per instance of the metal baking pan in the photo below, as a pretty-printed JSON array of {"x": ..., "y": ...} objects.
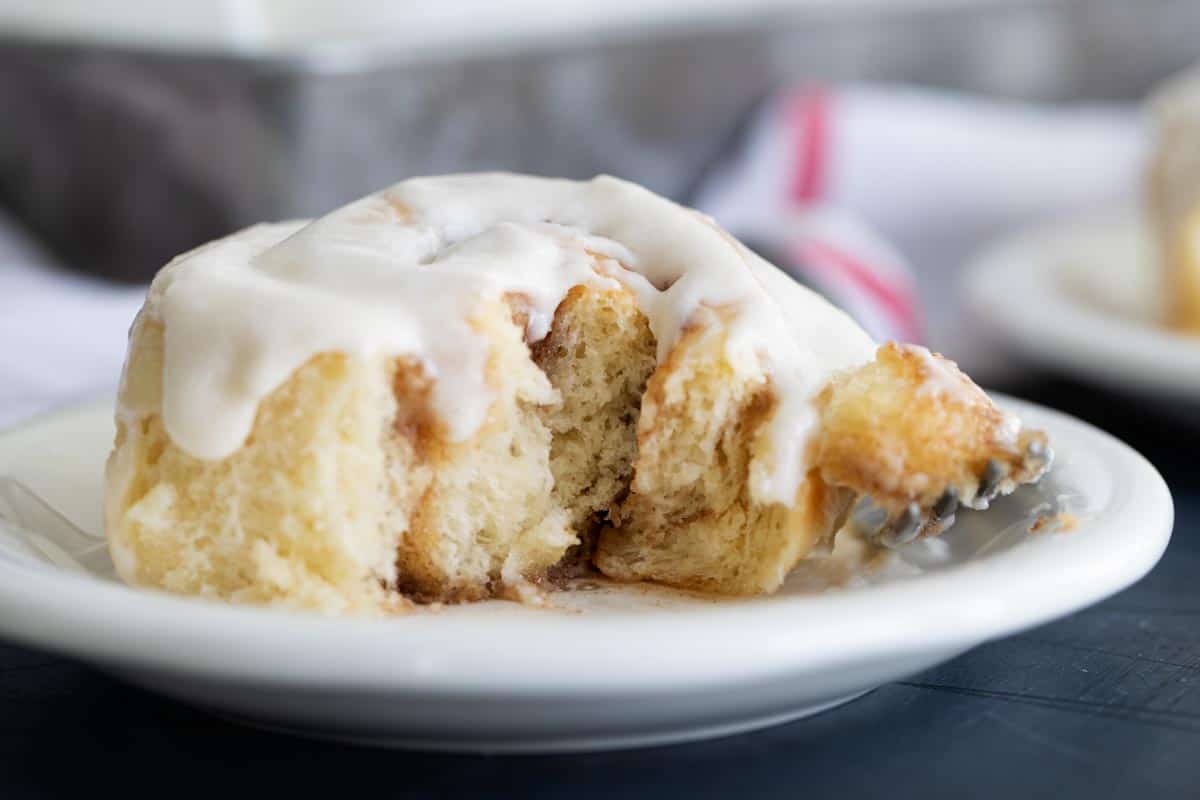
[{"x": 120, "y": 157}]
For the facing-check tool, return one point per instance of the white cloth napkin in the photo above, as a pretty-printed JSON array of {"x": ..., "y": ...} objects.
[
  {"x": 62, "y": 336},
  {"x": 935, "y": 174}
]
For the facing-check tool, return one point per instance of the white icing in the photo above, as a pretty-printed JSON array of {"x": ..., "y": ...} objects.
[{"x": 402, "y": 272}]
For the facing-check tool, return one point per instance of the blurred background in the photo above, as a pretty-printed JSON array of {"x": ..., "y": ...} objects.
[{"x": 134, "y": 131}]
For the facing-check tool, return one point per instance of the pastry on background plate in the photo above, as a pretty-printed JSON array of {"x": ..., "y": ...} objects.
[
  {"x": 477, "y": 385},
  {"x": 1173, "y": 186}
]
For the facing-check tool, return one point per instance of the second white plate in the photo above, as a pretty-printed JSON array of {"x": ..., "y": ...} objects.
[{"x": 1085, "y": 297}]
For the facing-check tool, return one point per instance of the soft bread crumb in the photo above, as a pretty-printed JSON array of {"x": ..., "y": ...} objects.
[
  {"x": 1173, "y": 196},
  {"x": 893, "y": 431},
  {"x": 291, "y": 519},
  {"x": 348, "y": 497},
  {"x": 690, "y": 519},
  {"x": 599, "y": 355}
]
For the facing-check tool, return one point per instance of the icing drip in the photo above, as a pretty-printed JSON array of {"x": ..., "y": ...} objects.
[{"x": 404, "y": 272}]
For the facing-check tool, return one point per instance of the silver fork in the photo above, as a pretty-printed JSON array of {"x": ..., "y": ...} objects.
[{"x": 28, "y": 519}]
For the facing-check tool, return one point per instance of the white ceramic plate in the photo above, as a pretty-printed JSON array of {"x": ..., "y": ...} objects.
[
  {"x": 1085, "y": 297},
  {"x": 609, "y": 667}
]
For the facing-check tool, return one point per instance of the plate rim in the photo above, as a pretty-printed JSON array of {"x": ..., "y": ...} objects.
[{"x": 145, "y": 630}]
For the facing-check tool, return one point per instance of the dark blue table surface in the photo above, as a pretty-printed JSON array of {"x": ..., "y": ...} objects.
[{"x": 1105, "y": 703}]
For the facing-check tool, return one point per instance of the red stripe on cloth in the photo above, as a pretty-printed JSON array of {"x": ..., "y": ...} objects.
[
  {"x": 898, "y": 302},
  {"x": 808, "y": 114}
]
